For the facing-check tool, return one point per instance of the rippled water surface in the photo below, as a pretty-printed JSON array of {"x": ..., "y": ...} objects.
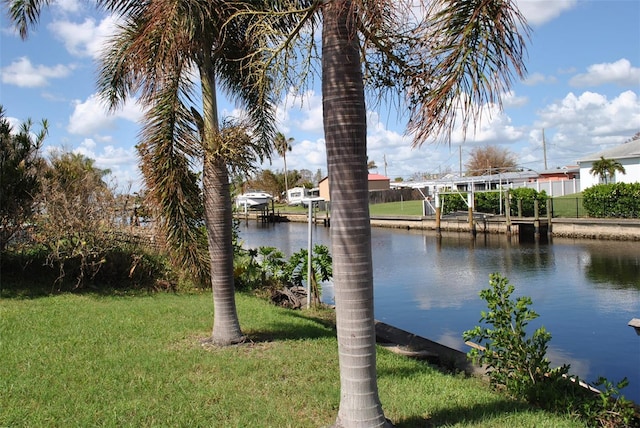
[{"x": 585, "y": 291}]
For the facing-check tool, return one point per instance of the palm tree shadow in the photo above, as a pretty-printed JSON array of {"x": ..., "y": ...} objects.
[
  {"x": 460, "y": 415},
  {"x": 315, "y": 328}
]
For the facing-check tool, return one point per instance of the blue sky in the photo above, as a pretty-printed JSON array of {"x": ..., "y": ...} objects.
[{"x": 582, "y": 88}]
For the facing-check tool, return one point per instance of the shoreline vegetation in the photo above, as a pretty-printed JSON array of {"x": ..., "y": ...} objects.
[{"x": 139, "y": 360}]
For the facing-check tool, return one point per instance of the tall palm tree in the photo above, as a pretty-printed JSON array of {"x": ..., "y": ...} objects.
[
  {"x": 606, "y": 168},
  {"x": 160, "y": 48},
  {"x": 282, "y": 145},
  {"x": 345, "y": 131},
  {"x": 164, "y": 50},
  {"x": 462, "y": 61}
]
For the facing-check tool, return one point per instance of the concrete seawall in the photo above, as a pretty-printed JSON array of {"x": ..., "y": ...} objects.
[{"x": 587, "y": 228}]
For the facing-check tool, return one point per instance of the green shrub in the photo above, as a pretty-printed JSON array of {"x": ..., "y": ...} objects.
[
  {"x": 613, "y": 200},
  {"x": 514, "y": 361},
  {"x": 517, "y": 363},
  {"x": 35, "y": 268},
  {"x": 528, "y": 196},
  {"x": 266, "y": 267},
  {"x": 488, "y": 202},
  {"x": 453, "y": 202}
]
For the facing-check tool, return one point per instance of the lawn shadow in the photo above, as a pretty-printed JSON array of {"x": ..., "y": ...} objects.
[
  {"x": 315, "y": 328},
  {"x": 460, "y": 415}
]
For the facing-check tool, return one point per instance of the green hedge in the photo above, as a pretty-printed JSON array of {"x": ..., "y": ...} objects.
[
  {"x": 489, "y": 202},
  {"x": 613, "y": 200},
  {"x": 528, "y": 196}
]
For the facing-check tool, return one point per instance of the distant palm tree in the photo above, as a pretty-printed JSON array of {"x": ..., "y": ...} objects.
[
  {"x": 282, "y": 145},
  {"x": 371, "y": 164},
  {"x": 606, "y": 168}
]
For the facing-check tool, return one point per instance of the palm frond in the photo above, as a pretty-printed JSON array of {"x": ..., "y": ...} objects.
[
  {"x": 25, "y": 14},
  {"x": 475, "y": 49},
  {"x": 173, "y": 186}
]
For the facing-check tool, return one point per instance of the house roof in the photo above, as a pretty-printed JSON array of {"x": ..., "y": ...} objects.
[
  {"x": 623, "y": 151},
  {"x": 564, "y": 169},
  {"x": 378, "y": 177},
  {"x": 371, "y": 177}
]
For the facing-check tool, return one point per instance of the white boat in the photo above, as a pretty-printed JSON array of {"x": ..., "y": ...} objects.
[
  {"x": 298, "y": 195},
  {"x": 253, "y": 200}
]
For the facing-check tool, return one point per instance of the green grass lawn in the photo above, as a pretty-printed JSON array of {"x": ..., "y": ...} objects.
[
  {"x": 397, "y": 208},
  {"x": 390, "y": 208},
  {"x": 568, "y": 206},
  {"x": 88, "y": 360}
]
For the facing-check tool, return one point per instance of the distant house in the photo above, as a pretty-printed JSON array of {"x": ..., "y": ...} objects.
[
  {"x": 559, "y": 174},
  {"x": 628, "y": 154},
  {"x": 379, "y": 182},
  {"x": 376, "y": 182}
]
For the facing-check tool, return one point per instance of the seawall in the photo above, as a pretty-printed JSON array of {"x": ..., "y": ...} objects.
[{"x": 586, "y": 228}]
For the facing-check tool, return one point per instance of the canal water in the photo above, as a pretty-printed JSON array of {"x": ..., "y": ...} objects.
[{"x": 585, "y": 291}]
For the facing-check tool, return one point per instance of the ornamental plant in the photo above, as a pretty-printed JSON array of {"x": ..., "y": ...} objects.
[
  {"x": 517, "y": 362},
  {"x": 514, "y": 360}
]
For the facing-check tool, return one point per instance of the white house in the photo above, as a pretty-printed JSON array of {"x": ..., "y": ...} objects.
[{"x": 628, "y": 154}]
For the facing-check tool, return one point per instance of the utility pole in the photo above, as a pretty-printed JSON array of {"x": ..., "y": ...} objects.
[
  {"x": 544, "y": 150},
  {"x": 384, "y": 159},
  {"x": 460, "y": 159}
]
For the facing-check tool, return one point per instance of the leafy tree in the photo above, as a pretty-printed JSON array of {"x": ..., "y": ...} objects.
[
  {"x": 282, "y": 145},
  {"x": 20, "y": 171},
  {"x": 272, "y": 181},
  {"x": 606, "y": 169},
  {"x": 77, "y": 217},
  {"x": 490, "y": 160}
]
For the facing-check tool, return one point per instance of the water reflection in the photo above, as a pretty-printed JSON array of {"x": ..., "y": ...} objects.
[
  {"x": 615, "y": 269},
  {"x": 585, "y": 291}
]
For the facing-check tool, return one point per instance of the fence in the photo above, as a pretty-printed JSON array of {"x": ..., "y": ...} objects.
[{"x": 553, "y": 187}]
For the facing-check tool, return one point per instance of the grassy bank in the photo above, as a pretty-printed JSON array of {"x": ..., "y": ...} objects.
[{"x": 84, "y": 360}]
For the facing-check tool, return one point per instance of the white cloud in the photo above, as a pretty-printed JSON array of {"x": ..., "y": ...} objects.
[
  {"x": 538, "y": 78},
  {"x": 510, "y": 99},
  {"x": 620, "y": 72},
  {"x": 91, "y": 116},
  {"x": 122, "y": 162},
  {"x": 594, "y": 113},
  {"x": 71, "y": 6},
  {"x": 538, "y": 12},
  {"x": 86, "y": 39},
  {"x": 582, "y": 124},
  {"x": 311, "y": 113},
  {"x": 23, "y": 73}
]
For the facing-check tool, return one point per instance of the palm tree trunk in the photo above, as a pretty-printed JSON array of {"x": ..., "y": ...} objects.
[
  {"x": 286, "y": 182},
  {"x": 218, "y": 220},
  {"x": 345, "y": 133}
]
